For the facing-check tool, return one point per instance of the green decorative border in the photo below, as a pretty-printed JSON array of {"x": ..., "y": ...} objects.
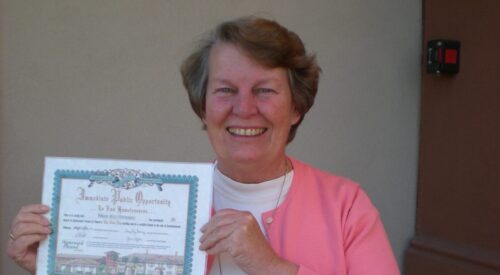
[{"x": 142, "y": 179}]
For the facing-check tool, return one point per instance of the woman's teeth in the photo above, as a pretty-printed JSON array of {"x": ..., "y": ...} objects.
[{"x": 246, "y": 132}]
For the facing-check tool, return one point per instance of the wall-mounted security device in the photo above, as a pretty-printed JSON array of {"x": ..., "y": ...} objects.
[{"x": 443, "y": 56}]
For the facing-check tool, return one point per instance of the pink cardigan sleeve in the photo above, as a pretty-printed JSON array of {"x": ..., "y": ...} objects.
[
  {"x": 366, "y": 246},
  {"x": 367, "y": 250}
]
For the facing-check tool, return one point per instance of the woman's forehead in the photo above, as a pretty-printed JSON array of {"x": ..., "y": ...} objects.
[{"x": 226, "y": 60}]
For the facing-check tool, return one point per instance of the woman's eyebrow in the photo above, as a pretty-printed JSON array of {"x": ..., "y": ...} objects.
[{"x": 258, "y": 82}]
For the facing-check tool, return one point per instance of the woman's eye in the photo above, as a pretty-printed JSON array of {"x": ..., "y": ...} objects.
[
  {"x": 264, "y": 90},
  {"x": 225, "y": 90}
]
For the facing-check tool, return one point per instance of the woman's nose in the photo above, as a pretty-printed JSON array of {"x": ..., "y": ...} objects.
[{"x": 245, "y": 104}]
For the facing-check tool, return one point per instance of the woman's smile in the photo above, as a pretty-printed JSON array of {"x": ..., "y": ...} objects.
[{"x": 246, "y": 132}]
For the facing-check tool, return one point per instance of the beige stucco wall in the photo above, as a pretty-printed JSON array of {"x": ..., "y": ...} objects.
[{"x": 100, "y": 79}]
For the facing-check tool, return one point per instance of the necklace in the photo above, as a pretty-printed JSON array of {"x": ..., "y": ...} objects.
[{"x": 270, "y": 219}]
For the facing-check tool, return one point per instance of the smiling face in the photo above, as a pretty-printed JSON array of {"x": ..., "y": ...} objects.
[{"x": 248, "y": 114}]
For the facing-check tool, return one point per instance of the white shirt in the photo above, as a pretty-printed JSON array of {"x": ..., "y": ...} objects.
[{"x": 255, "y": 198}]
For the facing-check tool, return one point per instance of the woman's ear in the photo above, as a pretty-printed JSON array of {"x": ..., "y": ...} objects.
[
  {"x": 296, "y": 116},
  {"x": 204, "y": 121}
]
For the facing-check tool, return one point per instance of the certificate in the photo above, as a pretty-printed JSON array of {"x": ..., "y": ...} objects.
[{"x": 124, "y": 217}]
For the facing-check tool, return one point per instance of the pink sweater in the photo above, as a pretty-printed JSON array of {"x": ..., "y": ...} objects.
[{"x": 328, "y": 225}]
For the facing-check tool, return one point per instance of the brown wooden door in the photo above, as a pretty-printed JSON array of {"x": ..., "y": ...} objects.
[{"x": 458, "y": 211}]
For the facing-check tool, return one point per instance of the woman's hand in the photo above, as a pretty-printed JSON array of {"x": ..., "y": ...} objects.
[
  {"x": 27, "y": 230},
  {"x": 238, "y": 234}
]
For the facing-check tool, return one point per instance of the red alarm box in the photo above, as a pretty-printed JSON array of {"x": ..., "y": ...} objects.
[{"x": 443, "y": 56}]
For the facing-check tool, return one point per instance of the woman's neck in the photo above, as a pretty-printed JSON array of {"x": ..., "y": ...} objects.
[{"x": 254, "y": 172}]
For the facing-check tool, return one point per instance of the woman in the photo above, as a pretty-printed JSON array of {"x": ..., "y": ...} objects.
[{"x": 251, "y": 83}]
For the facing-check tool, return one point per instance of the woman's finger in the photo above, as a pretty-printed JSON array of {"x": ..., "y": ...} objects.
[
  {"x": 31, "y": 214},
  {"x": 221, "y": 215},
  {"x": 34, "y": 208},
  {"x": 18, "y": 248},
  {"x": 228, "y": 228},
  {"x": 25, "y": 229},
  {"x": 212, "y": 238},
  {"x": 30, "y": 218},
  {"x": 219, "y": 247},
  {"x": 221, "y": 219}
]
